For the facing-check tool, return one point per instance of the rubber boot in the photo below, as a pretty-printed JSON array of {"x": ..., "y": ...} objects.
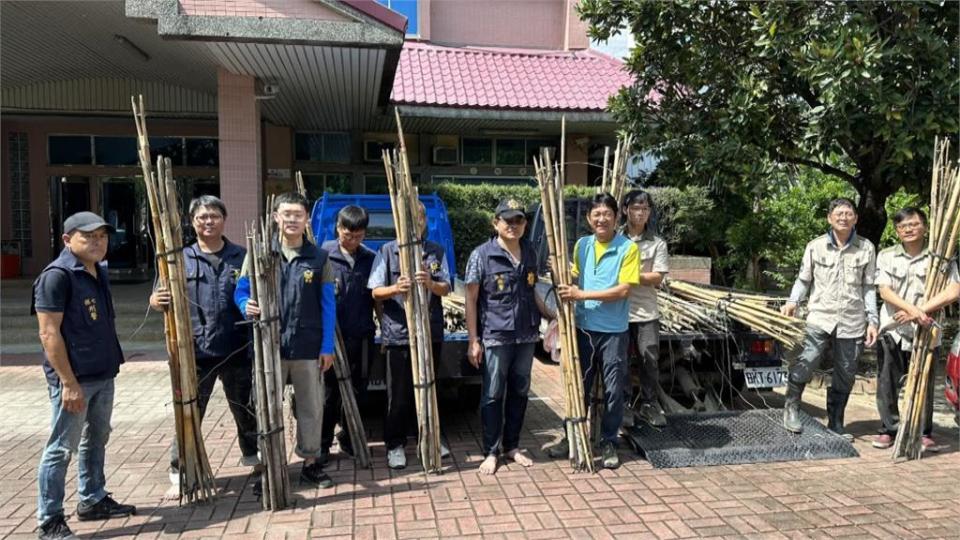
[
  {"x": 791, "y": 408},
  {"x": 836, "y": 405}
]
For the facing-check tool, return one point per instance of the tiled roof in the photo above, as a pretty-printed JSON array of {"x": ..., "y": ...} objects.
[{"x": 433, "y": 75}]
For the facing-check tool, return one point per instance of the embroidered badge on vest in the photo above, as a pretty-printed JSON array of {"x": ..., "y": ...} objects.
[
  {"x": 434, "y": 267},
  {"x": 235, "y": 273},
  {"x": 308, "y": 276},
  {"x": 531, "y": 278},
  {"x": 91, "y": 304},
  {"x": 500, "y": 283}
]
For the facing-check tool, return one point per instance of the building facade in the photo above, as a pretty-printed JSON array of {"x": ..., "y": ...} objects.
[{"x": 241, "y": 94}]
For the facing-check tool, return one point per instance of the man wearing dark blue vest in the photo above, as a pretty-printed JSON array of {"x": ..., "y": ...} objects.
[
  {"x": 307, "y": 322},
  {"x": 389, "y": 287},
  {"x": 351, "y": 262},
  {"x": 503, "y": 326},
  {"x": 605, "y": 264},
  {"x": 212, "y": 265},
  {"x": 74, "y": 309}
]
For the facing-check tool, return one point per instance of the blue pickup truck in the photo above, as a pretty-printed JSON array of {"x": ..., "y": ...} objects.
[{"x": 452, "y": 366}]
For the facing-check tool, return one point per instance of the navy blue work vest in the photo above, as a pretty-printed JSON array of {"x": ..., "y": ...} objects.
[
  {"x": 393, "y": 325},
  {"x": 212, "y": 311},
  {"x": 88, "y": 322},
  {"x": 354, "y": 302},
  {"x": 301, "y": 309},
  {"x": 506, "y": 303}
]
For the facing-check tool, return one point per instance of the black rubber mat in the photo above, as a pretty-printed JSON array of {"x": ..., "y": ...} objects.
[{"x": 732, "y": 437}]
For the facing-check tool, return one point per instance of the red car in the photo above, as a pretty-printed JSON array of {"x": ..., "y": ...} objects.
[{"x": 952, "y": 384}]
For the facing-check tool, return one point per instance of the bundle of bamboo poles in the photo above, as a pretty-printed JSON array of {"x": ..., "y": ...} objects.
[
  {"x": 454, "y": 313},
  {"x": 550, "y": 180},
  {"x": 196, "y": 478},
  {"x": 942, "y": 245},
  {"x": 681, "y": 316},
  {"x": 787, "y": 330},
  {"x": 267, "y": 381},
  {"x": 614, "y": 179},
  {"x": 405, "y": 203}
]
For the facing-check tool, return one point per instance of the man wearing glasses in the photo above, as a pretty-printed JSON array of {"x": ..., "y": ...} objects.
[
  {"x": 838, "y": 271},
  {"x": 901, "y": 279}
]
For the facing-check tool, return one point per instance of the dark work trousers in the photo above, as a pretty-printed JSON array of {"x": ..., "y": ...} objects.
[
  {"x": 846, "y": 354},
  {"x": 894, "y": 364},
  {"x": 401, "y": 417},
  {"x": 236, "y": 376},
  {"x": 646, "y": 338},
  {"x": 356, "y": 350},
  {"x": 503, "y": 404},
  {"x": 605, "y": 353}
]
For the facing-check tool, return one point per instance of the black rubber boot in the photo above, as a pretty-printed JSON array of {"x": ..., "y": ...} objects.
[
  {"x": 791, "y": 408},
  {"x": 836, "y": 405}
]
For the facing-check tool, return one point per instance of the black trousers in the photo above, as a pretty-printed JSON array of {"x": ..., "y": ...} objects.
[
  {"x": 645, "y": 336},
  {"x": 894, "y": 364},
  {"x": 401, "y": 416},
  {"x": 356, "y": 350}
]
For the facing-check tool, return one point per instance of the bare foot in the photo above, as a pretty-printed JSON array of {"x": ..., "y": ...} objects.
[
  {"x": 489, "y": 465},
  {"x": 520, "y": 457}
]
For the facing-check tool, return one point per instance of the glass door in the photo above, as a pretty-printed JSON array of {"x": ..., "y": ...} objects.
[{"x": 68, "y": 195}]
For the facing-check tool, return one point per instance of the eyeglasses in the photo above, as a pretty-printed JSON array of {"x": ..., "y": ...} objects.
[
  {"x": 208, "y": 217},
  {"x": 909, "y": 226}
]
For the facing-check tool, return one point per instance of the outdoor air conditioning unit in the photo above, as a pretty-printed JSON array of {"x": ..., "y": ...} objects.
[
  {"x": 445, "y": 155},
  {"x": 372, "y": 150}
]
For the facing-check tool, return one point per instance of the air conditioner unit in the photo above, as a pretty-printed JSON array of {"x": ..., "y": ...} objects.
[
  {"x": 445, "y": 155},
  {"x": 372, "y": 150}
]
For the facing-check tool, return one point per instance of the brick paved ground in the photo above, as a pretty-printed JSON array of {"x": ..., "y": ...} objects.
[{"x": 862, "y": 497}]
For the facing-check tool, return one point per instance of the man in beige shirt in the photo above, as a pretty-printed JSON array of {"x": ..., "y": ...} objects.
[
  {"x": 901, "y": 280},
  {"x": 838, "y": 270}
]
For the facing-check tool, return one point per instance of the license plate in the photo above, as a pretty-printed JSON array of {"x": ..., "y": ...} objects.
[{"x": 765, "y": 377}]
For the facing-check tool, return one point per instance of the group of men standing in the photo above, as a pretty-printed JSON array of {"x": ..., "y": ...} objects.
[{"x": 617, "y": 270}]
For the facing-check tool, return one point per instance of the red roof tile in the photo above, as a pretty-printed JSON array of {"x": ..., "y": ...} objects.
[{"x": 432, "y": 75}]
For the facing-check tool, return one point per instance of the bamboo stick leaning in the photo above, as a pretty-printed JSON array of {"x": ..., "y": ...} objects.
[
  {"x": 405, "y": 204},
  {"x": 267, "y": 380},
  {"x": 196, "y": 478},
  {"x": 550, "y": 181},
  {"x": 944, "y": 232},
  {"x": 614, "y": 179}
]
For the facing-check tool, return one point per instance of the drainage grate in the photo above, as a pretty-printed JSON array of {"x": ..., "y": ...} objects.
[{"x": 732, "y": 437}]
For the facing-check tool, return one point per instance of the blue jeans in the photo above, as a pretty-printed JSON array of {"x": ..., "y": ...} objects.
[
  {"x": 606, "y": 353},
  {"x": 506, "y": 383},
  {"x": 84, "y": 433}
]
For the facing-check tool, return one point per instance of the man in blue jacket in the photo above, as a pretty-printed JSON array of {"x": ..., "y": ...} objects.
[
  {"x": 221, "y": 346},
  {"x": 351, "y": 262},
  {"x": 82, "y": 356},
  {"x": 307, "y": 323}
]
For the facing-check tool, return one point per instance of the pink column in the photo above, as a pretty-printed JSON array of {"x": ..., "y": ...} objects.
[{"x": 241, "y": 187}]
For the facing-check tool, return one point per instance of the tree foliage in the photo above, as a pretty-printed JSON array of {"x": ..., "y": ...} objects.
[{"x": 732, "y": 94}]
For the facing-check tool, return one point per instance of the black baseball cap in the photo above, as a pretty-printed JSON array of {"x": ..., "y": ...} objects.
[
  {"x": 509, "y": 208},
  {"x": 85, "y": 222}
]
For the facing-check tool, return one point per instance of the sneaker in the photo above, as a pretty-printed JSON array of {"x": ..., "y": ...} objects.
[
  {"x": 313, "y": 474},
  {"x": 444, "y": 451},
  {"x": 346, "y": 447},
  {"x": 396, "y": 458},
  {"x": 883, "y": 441},
  {"x": 258, "y": 487},
  {"x": 652, "y": 414},
  {"x": 929, "y": 445},
  {"x": 105, "y": 509},
  {"x": 173, "y": 473},
  {"x": 610, "y": 458},
  {"x": 847, "y": 436},
  {"x": 250, "y": 461},
  {"x": 324, "y": 457},
  {"x": 559, "y": 450},
  {"x": 56, "y": 529}
]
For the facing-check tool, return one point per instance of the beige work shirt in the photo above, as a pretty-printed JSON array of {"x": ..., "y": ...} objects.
[
  {"x": 907, "y": 276},
  {"x": 653, "y": 258},
  {"x": 839, "y": 276}
]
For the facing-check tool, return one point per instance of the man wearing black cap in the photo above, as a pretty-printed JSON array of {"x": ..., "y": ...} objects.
[
  {"x": 503, "y": 325},
  {"x": 74, "y": 309}
]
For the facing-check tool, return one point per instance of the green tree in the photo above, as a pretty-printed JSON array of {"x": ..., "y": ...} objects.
[{"x": 731, "y": 94}]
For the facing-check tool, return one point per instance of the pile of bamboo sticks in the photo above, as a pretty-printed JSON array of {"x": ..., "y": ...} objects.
[
  {"x": 405, "y": 203},
  {"x": 550, "y": 180},
  {"x": 454, "y": 313},
  {"x": 341, "y": 367},
  {"x": 747, "y": 310},
  {"x": 944, "y": 231},
  {"x": 615, "y": 178},
  {"x": 196, "y": 478},
  {"x": 267, "y": 375},
  {"x": 682, "y": 316}
]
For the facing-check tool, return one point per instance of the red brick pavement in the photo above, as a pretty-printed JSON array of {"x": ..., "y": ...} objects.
[{"x": 866, "y": 497}]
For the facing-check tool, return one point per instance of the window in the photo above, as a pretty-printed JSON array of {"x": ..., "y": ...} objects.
[
  {"x": 116, "y": 151},
  {"x": 169, "y": 147},
  {"x": 477, "y": 151},
  {"x": 381, "y": 226},
  {"x": 501, "y": 180},
  {"x": 326, "y": 147},
  {"x": 70, "y": 150},
  {"x": 203, "y": 152},
  {"x": 510, "y": 152},
  {"x": 407, "y": 8},
  {"x": 318, "y": 184},
  {"x": 376, "y": 184},
  {"x": 534, "y": 146}
]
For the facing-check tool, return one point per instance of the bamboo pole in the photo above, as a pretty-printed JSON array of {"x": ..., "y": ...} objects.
[{"x": 196, "y": 481}]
